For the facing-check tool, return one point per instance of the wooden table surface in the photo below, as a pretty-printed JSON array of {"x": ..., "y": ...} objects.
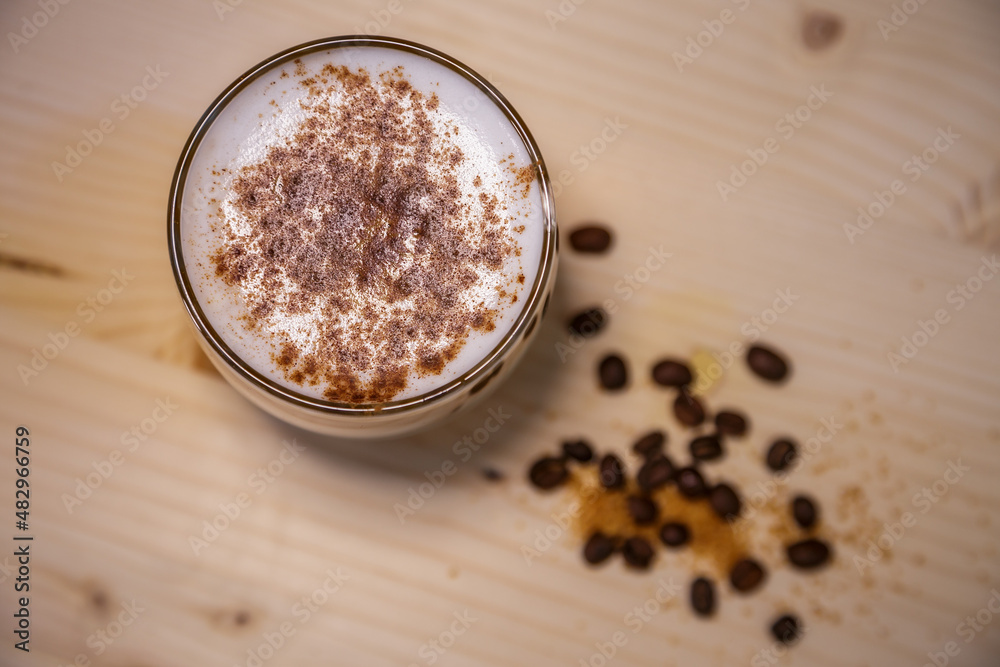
[{"x": 726, "y": 134}]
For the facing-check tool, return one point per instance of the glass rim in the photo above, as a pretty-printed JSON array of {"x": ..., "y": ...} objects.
[{"x": 479, "y": 370}]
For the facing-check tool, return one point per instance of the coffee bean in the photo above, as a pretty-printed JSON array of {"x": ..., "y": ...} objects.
[
  {"x": 809, "y": 554},
  {"x": 654, "y": 473},
  {"x": 725, "y": 501},
  {"x": 730, "y": 422},
  {"x": 746, "y": 575},
  {"x": 804, "y": 511},
  {"x": 674, "y": 534},
  {"x": 492, "y": 474},
  {"x": 703, "y": 596},
  {"x": 786, "y": 629},
  {"x": 642, "y": 510},
  {"x": 612, "y": 472},
  {"x": 548, "y": 472},
  {"x": 590, "y": 239},
  {"x": 612, "y": 372},
  {"x": 705, "y": 448},
  {"x": 767, "y": 364},
  {"x": 672, "y": 373},
  {"x": 650, "y": 444},
  {"x": 781, "y": 454},
  {"x": 690, "y": 482},
  {"x": 598, "y": 548},
  {"x": 688, "y": 410},
  {"x": 589, "y": 322},
  {"x": 579, "y": 450},
  {"x": 638, "y": 552}
]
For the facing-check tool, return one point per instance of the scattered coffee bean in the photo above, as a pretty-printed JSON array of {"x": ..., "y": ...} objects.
[
  {"x": 674, "y": 534},
  {"x": 492, "y": 474},
  {"x": 804, "y": 511},
  {"x": 642, "y": 510},
  {"x": 598, "y": 548},
  {"x": 730, "y": 422},
  {"x": 655, "y": 472},
  {"x": 548, "y": 472},
  {"x": 703, "y": 596},
  {"x": 725, "y": 501},
  {"x": 688, "y": 410},
  {"x": 638, "y": 552},
  {"x": 690, "y": 482},
  {"x": 746, "y": 575},
  {"x": 650, "y": 444},
  {"x": 781, "y": 454},
  {"x": 612, "y": 372},
  {"x": 590, "y": 239},
  {"x": 579, "y": 450},
  {"x": 786, "y": 629},
  {"x": 705, "y": 448},
  {"x": 767, "y": 364},
  {"x": 672, "y": 373},
  {"x": 589, "y": 322},
  {"x": 612, "y": 472},
  {"x": 809, "y": 554}
]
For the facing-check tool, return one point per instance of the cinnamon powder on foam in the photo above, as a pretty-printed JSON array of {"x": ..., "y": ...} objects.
[{"x": 357, "y": 247}]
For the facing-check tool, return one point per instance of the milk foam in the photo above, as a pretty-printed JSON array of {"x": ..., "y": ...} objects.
[{"x": 267, "y": 113}]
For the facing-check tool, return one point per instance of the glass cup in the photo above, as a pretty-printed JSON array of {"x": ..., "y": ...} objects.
[{"x": 262, "y": 385}]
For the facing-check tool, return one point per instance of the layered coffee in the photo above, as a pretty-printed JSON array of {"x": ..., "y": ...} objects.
[{"x": 363, "y": 224}]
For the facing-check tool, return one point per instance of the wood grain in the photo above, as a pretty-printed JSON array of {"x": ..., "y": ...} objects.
[{"x": 333, "y": 505}]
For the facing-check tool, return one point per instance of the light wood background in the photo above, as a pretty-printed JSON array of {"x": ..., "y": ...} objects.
[{"x": 656, "y": 185}]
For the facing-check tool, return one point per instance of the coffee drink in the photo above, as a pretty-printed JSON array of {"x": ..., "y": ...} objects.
[{"x": 362, "y": 223}]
